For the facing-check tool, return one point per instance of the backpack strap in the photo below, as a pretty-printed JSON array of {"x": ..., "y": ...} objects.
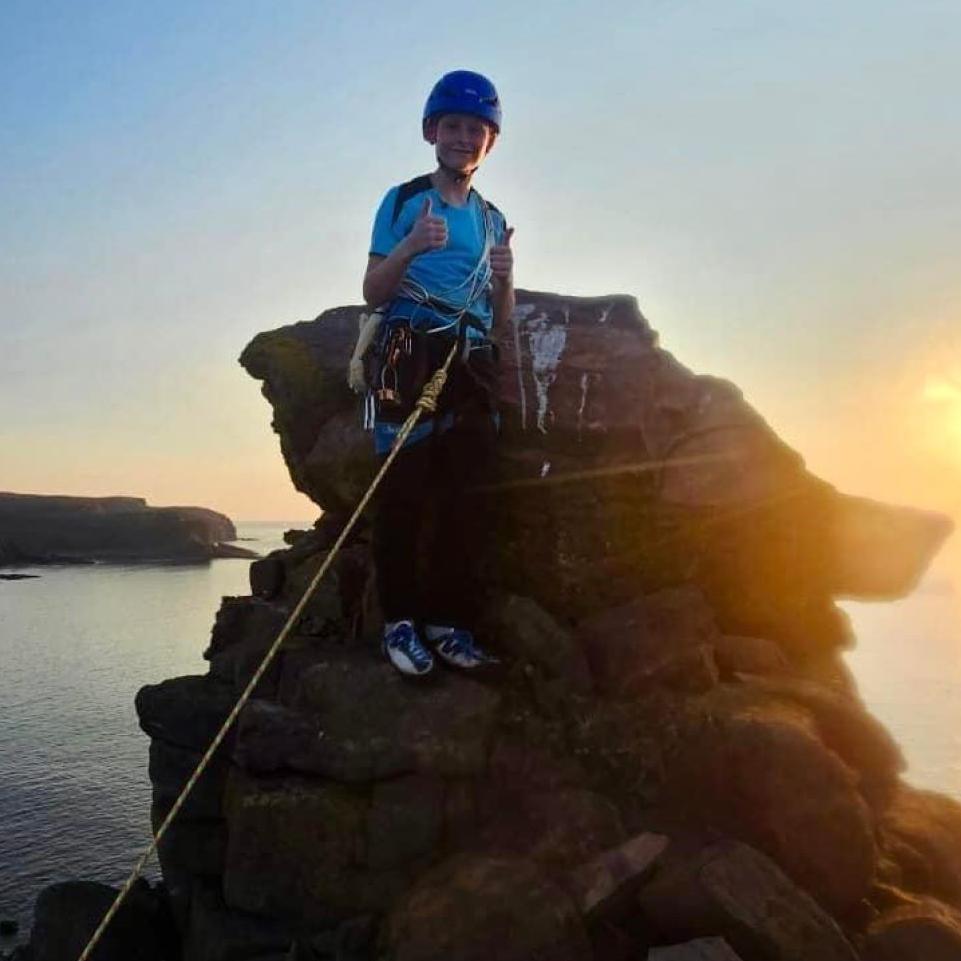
[
  {"x": 421, "y": 184},
  {"x": 410, "y": 189},
  {"x": 491, "y": 208}
]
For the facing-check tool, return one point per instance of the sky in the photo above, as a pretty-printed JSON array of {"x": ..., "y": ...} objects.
[{"x": 777, "y": 184}]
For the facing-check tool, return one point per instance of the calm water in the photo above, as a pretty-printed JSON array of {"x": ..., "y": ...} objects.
[
  {"x": 908, "y": 667},
  {"x": 77, "y": 644}
]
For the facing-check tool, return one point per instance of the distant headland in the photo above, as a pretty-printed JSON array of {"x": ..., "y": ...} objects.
[{"x": 58, "y": 529}]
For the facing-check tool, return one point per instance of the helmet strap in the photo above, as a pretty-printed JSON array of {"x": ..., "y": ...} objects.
[{"x": 457, "y": 176}]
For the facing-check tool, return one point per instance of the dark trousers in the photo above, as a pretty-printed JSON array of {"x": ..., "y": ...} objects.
[{"x": 428, "y": 575}]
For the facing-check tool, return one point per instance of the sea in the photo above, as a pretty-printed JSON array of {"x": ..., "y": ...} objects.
[{"x": 78, "y": 642}]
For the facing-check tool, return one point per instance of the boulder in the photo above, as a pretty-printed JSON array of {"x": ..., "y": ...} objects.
[
  {"x": 758, "y": 770},
  {"x": 703, "y": 949},
  {"x": 185, "y": 712},
  {"x": 302, "y": 372},
  {"x": 405, "y": 821},
  {"x": 333, "y": 611},
  {"x": 556, "y": 830},
  {"x": 376, "y": 724},
  {"x": 267, "y": 576},
  {"x": 218, "y": 933},
  {"x": 273, "y": 738},
  {"x": 313, "y": 840},
  {"x": 661, "y": 640},
  {"x": 921, "y": 832},
  {"x": 613, "y": 943},
  {"x": 353, "y": 940},
  {"x": 828, "y": 668},
  {"x": 21, "y": 953},
  {"x": 196, "y": 847},
  {"x": 629, "y": 748},
  {"x": 244, "y": 630},
  {"x": 733, "y": 891},
  {"x": 735, "y": 654},
  {"x": 521, "y": 629},
  {"x": 66, "y": 915},
  {"x": 241, "y": 620},
  {"x": 294, "y": 832},
  {"x": 533, "y": 756},
  {"x": 171, "y": 767},
  {"x": 845, "y": 727},
  {"x": 474, "y": 908},
  {"x": 603, "y": 886},
  {"x": 925, "y": 930}
]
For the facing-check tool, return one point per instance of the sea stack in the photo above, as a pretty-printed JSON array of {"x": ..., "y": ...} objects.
[{"x": 674, "y": 763}]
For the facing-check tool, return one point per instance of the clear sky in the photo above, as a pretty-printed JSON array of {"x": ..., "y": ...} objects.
[{"x": 778, "y": 184}]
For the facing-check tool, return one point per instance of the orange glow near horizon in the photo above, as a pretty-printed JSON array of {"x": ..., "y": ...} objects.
[{"x": 944, "y": 392}]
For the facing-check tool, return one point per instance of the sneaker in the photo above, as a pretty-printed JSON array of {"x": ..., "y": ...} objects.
[
  {"x": 457, "y": 647},
  {"x": 404, "y": 649}
]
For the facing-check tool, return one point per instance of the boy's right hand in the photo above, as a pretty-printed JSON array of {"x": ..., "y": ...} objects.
[{"x": 428, "y": 233}]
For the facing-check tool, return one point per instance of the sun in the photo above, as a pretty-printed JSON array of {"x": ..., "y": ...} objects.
[
  {"x": 943, "y": 393},
  {"x": 940, "y": 388}
]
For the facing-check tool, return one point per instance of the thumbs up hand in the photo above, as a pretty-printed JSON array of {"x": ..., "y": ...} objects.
[
  {"x": 428, "y": 233},
  {"x": 502, "y": 257}
]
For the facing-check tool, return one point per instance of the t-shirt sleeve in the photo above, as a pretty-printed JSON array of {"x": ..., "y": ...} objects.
[{"x": 386, "y": 234}]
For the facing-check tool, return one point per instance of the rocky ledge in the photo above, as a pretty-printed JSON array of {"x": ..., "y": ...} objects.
[
  {"x": 49, "y": 529},
  {"x": 674, "y": 763}
]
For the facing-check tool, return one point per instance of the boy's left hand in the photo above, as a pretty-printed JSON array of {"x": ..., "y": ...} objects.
[{"x": 502, "y": 257}]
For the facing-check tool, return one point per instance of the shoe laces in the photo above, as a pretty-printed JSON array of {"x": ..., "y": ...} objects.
[
  {"x": 404, "y": 638},
  {"x": 462, "y": 642}
]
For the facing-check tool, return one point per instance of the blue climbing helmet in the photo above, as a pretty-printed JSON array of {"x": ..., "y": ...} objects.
[{"x": 463, "y": 91}]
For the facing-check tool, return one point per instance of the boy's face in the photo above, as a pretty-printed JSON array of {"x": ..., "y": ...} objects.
[{"x": 462, "y": 140}]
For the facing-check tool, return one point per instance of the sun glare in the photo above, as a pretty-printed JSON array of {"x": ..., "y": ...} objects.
[
  {"x": 940, "y": 389},
  {"x": 943, "y": 392}
]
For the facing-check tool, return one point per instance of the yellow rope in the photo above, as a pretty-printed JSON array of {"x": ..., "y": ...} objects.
[{"x": 426, "y": 403}]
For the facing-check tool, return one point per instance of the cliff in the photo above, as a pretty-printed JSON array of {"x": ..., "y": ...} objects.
[
  {"x": 40, "y": 529},
  {"x": 674, "y": 763}
]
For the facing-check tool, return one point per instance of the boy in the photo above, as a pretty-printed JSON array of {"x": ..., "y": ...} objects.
[{"x": 441, "y": 270}]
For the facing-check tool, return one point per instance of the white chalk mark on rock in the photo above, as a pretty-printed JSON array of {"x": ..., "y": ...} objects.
[
  {"x": 585, "y": 385},
  {"x": 546, "y": 345},
  {"x": 545, "y": 468},
  {"x": 605, "y": 313},
  {"x": 517, "y": 317}
]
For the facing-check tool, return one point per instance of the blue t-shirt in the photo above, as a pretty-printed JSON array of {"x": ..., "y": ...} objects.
[{"x": 445, "y": 273}]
